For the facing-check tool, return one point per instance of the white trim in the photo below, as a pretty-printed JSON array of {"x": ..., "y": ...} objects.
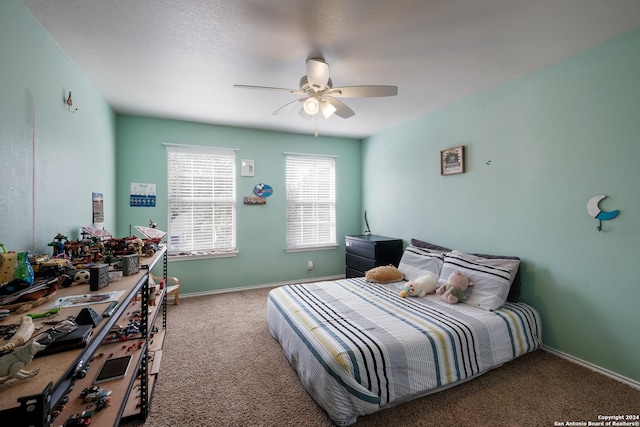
[
  {"x": 628, "y": 381},
  {"x": 192, "y": 257},
  {"x": 311, "y": 248},
  {"x": 286, "y": 153},
  {"x": 168, "y": 144},
  {"x": 267, "y": 285}
]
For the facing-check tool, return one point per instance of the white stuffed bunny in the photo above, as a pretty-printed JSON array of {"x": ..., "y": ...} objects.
[{"x": 420, "y": 287}]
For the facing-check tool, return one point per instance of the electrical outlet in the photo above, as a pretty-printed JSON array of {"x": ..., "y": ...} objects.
[{"x": 309, "y": 265}]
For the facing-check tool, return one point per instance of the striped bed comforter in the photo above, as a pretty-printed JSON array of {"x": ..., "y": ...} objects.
[{"x": 358, "y": 347}]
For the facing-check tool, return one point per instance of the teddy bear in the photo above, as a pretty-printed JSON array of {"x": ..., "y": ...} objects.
[
  {"x": 453, "y": 290},
  {"x": 420, "y": 287}
]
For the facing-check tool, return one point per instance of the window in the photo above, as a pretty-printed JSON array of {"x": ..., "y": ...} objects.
[
  {"x": 202, "y": 201},
  {"x": 311, "y": 202}
]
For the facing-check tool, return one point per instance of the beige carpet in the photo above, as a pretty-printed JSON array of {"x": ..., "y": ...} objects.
[{"x": 221, "y": 367}]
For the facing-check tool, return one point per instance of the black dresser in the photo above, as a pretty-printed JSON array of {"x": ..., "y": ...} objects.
[{"x": 368, "y": 251}]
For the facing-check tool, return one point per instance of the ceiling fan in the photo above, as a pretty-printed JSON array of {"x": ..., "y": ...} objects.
[{"x": 321, "y": 96}]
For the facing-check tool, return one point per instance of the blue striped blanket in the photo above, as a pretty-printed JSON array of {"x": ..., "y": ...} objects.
[{"x": 359, "y": 347}]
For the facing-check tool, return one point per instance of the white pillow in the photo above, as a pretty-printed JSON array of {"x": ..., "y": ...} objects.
[
  {"x": 417, "y": 262},
  {"x": 492, "y": 277}
]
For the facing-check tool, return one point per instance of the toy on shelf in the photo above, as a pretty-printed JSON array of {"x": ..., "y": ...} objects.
[
  {"x": 127, "y": 333},
  {"x": 21, "y": 336},
  {"x": 153, "y": 238},
  {"x": 96, "y": 396},
  {"x": 115, "y": 249},
  {"x": 24, "y": 272},
  {"x": 99, "y": 233},
  {"x": 172, "y": 290},
  {"x": 23, "y": 300},
  {"x": 12, "y": 364},
  {"x": 15, "y": 271},
  {"x": 43, "y": 266},
  {"x": 81, "y": 419},
  {"x": 58, "y": 244}
]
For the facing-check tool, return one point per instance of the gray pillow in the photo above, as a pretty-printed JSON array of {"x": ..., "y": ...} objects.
[
  {"x": 514, "y": 291},
  {"x": 417, "y": 262}
]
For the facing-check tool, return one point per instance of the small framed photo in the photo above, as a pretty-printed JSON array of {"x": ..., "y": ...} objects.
[
  {"x": 247, "y": 167},
  {"x": 452, "y": 160}
]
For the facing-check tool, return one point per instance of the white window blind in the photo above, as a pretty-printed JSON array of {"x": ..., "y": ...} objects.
[
  {"x": 311, "y": 201},
  {"x": 202, "y": 200}
]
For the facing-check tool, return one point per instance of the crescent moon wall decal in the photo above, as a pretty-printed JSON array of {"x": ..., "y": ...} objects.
[
  {"x": 592, "y": 205},
  {"x": 594, "y": 210}
]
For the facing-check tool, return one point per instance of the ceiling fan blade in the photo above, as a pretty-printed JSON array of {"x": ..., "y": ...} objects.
[
  {"x": 288, "y": 107},
  {"x": 341, "y": 108},
  {"x": 296, "y": 91},
  {"x": 363, "y": 91},
  {"x": 317, "y": 73}
]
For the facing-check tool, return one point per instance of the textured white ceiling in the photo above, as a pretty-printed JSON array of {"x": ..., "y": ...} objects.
[{"x": 180, "y": 58}]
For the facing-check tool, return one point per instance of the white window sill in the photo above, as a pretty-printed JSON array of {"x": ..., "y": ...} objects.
[
  {"x": 311, "y": 248},
  {"x": 197, "y": 255}
]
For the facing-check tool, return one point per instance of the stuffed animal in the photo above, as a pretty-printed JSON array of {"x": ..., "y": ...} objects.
[
  {"x": 384, "y": 274},
  {"x": 11, "y": 364},
  {"x": 453, "y": 291},
  {"x": 420, "y": 287}
]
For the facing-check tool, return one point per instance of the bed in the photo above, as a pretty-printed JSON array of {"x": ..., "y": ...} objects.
[{"x": 359, "y": 347}]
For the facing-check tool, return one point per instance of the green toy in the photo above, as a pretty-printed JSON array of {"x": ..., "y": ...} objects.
[{"x": 48, "y": 313}]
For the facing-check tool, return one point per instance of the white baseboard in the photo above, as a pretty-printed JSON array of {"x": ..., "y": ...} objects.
[
  {"x": 595, "y": 368},
  {"x": 266, "y": 285}
]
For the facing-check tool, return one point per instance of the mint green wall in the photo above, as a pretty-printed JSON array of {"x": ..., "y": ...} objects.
[
  {"x": 553, "y": 139},
  {"x": 141, "y": 158},
  {"x": 51, "y": 160}
]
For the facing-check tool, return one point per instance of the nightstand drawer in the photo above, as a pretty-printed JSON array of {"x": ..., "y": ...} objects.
[
  {"x": 360, "y": 263},
  {"x": 366, "y": 252},
  {"x": 363, "y": 249}
]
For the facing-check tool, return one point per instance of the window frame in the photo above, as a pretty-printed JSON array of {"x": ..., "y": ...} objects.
[
  {"x": 221, "y": 162},
  {"x": 293, "y": 201}
]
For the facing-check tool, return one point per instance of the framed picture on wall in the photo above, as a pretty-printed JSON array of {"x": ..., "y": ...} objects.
[
  {"x": 452, "y": 160},
  {"x": 247, "y": 167},
  {"x": 98, "y": 208}
]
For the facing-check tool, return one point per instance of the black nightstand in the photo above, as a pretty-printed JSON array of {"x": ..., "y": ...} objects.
[{"x": 368, "y": 251}]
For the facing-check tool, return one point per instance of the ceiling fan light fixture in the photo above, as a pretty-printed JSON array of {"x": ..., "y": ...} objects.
[
  {"x": 327, "y": 108},
  {"x": 311, "y": 105},
  {"x": 319, "y": 95}
]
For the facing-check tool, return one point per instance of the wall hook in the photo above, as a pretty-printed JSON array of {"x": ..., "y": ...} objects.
[
  {"x": 69, "y": 102},
  {"x": 594, "y": 210}
]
